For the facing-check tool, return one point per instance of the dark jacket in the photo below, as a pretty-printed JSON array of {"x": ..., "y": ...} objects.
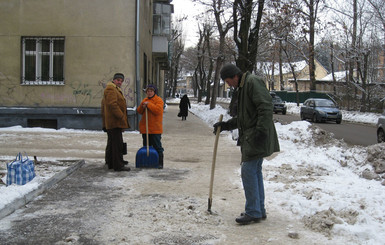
[
  {"x": 254, "y": 120},
  {"x": 184, "y": 104},
  {"x": 114, "y": 108}
]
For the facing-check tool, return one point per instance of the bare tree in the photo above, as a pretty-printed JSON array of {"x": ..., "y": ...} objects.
[
  {"x": 310, "y": 16},
  {"x": 246, "y": 31},
  {"x": 208, "y": 35},
  {"x": 224, "y": 24},
  {"x": 378, "y": 7},
  {"x": 220, "y": 10},
  {"x": 178, "y": 48}
]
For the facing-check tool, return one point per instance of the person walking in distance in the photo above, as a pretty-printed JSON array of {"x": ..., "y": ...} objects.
[
  {"x": 114, "y": 115},
  {"x": 154, "y": 105},
  {"x": 257, "y": 136},
  {"x": 184, "y": 105}
]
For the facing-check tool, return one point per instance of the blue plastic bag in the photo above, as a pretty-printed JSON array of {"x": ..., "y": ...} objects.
[{"x": 20, "y": 171}]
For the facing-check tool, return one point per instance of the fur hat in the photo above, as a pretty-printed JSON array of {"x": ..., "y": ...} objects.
[
  {"x": 118, "y": 75},
  {"x": 229, "y": 71}
]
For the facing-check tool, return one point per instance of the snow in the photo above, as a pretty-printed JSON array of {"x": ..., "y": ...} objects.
[
  {"x": 338, "y": 76},
  {"x": 266, "y": 67},
  {"x": 314, "y": 177}
]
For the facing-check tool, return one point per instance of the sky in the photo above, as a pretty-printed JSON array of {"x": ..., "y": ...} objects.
[
  {"x": 190, "y": 27},
  {"x": 321, "y": 179}
]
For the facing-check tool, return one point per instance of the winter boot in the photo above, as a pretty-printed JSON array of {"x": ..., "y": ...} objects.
[{"x": 160, "y": 165}]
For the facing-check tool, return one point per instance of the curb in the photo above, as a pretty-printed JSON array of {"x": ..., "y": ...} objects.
[{"x": 22, "y": 201}]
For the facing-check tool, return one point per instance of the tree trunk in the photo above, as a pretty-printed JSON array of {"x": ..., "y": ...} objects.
[
  {"x": 312, "y": 14},
  {"x": 247, "y": 37}
]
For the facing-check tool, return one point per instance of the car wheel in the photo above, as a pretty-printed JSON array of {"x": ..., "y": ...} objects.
[
  {"x": 284, "y": 112},
  {"x": 315, "y": 118},
  {"x": 338, "y": 121},
  {"x": 380, "y": 136}
]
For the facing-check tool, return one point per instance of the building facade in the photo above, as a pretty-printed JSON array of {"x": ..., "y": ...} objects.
[
  {"x": 57, "y": 57},
  {"x": 301, "y": 71}
]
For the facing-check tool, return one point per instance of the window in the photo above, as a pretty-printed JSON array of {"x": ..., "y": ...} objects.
[
  {"x": 162, "y": 18},
  {"x": 42, "y": 60}
]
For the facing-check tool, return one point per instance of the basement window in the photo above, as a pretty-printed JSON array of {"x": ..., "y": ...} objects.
[
  {"x": 42, "y": 123},
  {"x": 42, "y": 60}
]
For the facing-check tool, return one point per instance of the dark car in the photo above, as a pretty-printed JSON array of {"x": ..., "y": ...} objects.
[
  {"x": 381, "y": 129},
  {"x": 320, "y": 110},
  {"x": 278, "y": 104}
]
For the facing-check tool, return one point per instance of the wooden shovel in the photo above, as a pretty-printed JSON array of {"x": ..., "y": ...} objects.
[{"x": 210, "y": 201}]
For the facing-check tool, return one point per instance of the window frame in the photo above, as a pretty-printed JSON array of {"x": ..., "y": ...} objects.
[
  {"x": 162, "y": 19},
  {"x": 39, "y": 55}
]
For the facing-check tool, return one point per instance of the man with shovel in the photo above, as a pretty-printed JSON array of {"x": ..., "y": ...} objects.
[{"x": 257, "y": 136}]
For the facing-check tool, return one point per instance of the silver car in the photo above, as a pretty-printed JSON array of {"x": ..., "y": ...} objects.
[
  {"x": 381, "y": 128},
  {"x": 320, "y": 110}
]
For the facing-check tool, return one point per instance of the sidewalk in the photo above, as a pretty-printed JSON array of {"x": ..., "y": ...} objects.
[{"x": 95, "y": 205}]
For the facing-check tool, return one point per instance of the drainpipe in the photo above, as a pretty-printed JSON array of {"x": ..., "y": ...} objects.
[{"x": 137, "y": 61}]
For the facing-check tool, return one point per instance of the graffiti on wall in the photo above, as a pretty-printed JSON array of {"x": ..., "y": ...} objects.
[
  {"x": 11, "y": 95},
  {"x": 82, "y": 93},
  {"x": 76, "y": 93},
  {"x": 128, "y": 92}
]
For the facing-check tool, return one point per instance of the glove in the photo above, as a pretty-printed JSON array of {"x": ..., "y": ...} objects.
[
  {"x": 104, "y": 129},
  {"x": 223, "y": 126}
]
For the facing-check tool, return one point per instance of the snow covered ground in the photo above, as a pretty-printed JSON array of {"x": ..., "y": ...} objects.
[
  {"x": 323, "y": 183},
  {"x": 330, "y": 186}
]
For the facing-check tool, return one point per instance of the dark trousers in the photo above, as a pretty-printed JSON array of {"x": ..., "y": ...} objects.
[
  {"x": 154, "y": 141},
  {"x": 114, "y": 149}
]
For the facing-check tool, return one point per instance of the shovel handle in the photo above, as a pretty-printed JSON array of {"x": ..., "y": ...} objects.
[
  {"x": 213, "y": 164},
  {"x": 147, "y": 143}
]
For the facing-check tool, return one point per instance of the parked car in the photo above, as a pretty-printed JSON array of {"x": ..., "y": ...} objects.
[
  {"x": 381, "y": 129},
  {"x": 320, "y": 110},
  {"x": 278, "y": 104}
]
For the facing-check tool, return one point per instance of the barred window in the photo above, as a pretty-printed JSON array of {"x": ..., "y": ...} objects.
[{"x": 42, "y": 60}]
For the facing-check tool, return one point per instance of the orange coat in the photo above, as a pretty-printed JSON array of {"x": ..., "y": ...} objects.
[
  {"x": 114, "y": 108},
  {"x": 155, "y": 115}
]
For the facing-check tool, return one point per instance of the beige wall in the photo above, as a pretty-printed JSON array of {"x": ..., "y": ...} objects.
[
  {"x": 145, "y": 44},
  {"x": 99, "y": 41}
]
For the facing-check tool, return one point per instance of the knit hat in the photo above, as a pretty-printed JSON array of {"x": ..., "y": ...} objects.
[
  {"x": 118, "y": 75},
  {"x": 151, "y": 86},
  {"x": 229, "y": 71}
]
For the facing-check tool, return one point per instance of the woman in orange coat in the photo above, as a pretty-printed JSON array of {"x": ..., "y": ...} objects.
[{"x": 154, "y": 105}]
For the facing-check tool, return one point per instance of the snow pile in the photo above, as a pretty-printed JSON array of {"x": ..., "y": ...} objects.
[{"x": 323, "y": 181}]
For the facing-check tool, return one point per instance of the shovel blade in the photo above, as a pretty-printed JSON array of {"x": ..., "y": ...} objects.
[{"x": 144, "y": 160}]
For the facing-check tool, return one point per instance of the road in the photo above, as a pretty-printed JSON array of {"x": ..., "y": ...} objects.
[{"x": 351, "y": 133}]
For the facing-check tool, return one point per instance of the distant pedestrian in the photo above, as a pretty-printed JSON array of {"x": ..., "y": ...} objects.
[
  {"x": 154, "y": 105},
  {"x": 184, "y": 105},
  {"x": 114, "y": 115},
  {"x": 257, "y": 136}
]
